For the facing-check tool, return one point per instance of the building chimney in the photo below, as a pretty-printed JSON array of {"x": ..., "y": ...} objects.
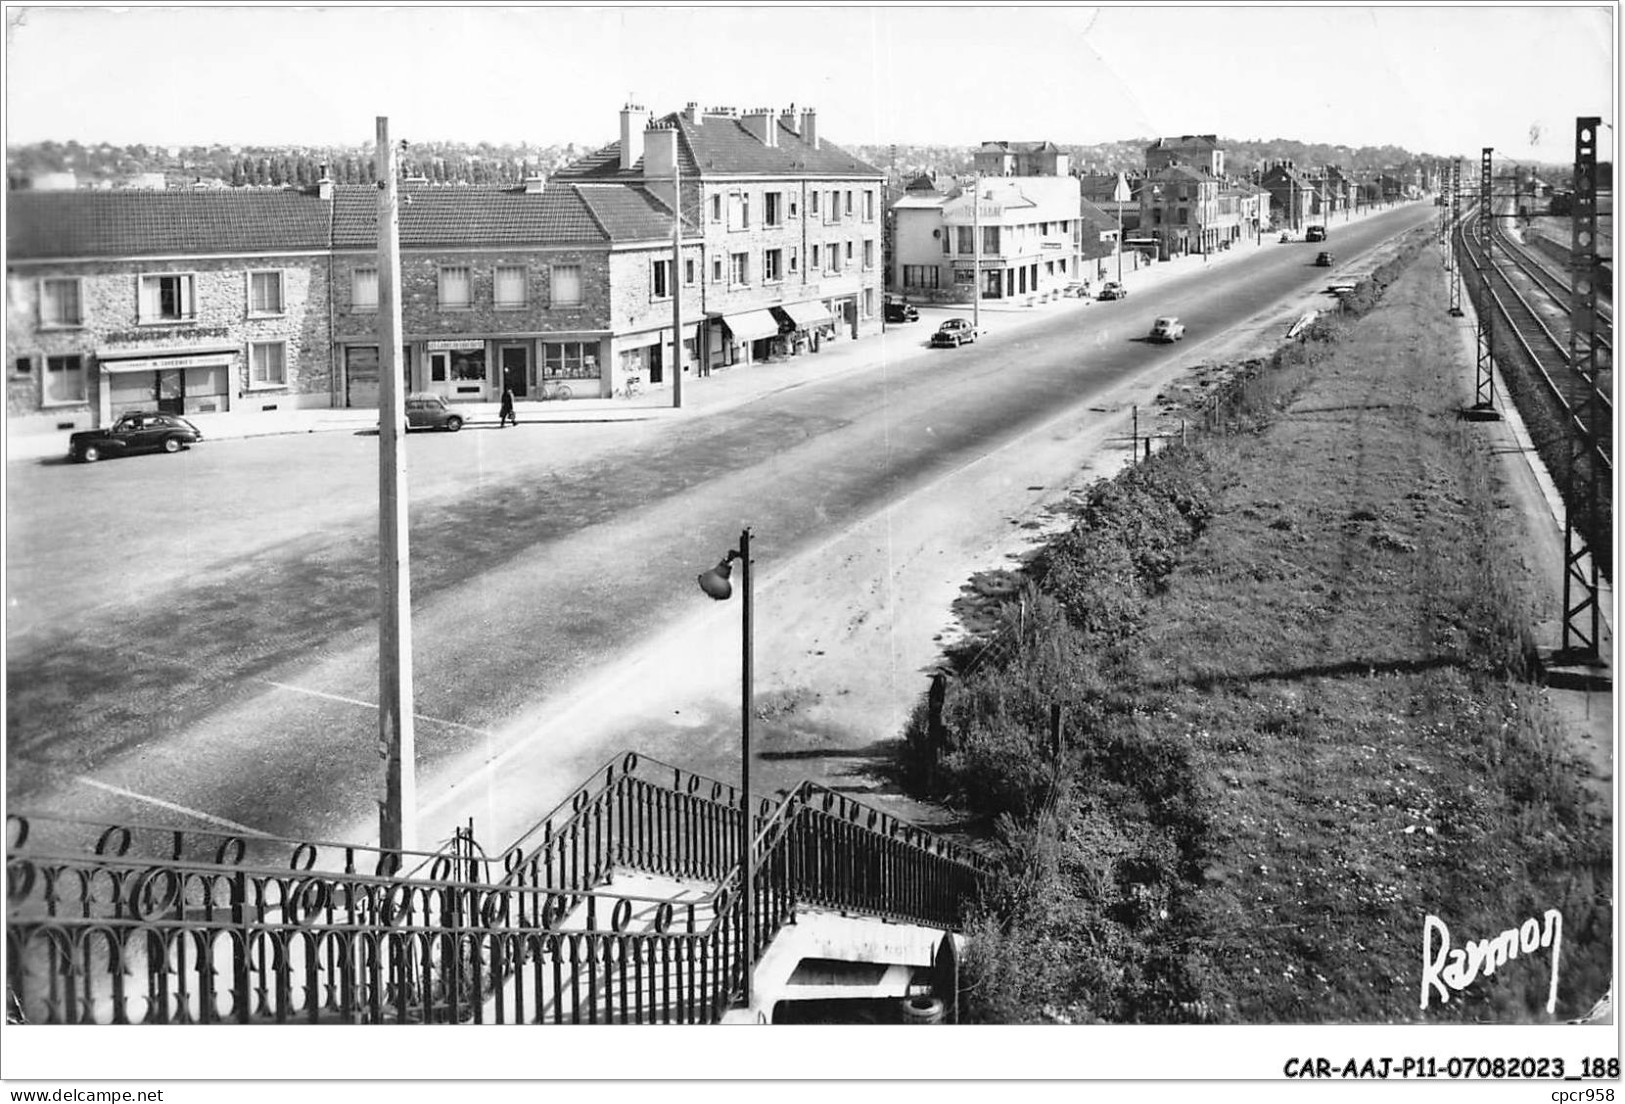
[
  {"x": 691, "y": 112},
  {"x": 762, "y": 124},
  {"x": 634, "y": 120},
  {"x": 787, "y": 119},
  {"x": 324, "y": 184},
  {"x": 660, "y": 162},
  {"x": 809, "y": 127}
]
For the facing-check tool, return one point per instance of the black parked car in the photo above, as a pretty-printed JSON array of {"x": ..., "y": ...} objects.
[
  {"x": 134, "y": 432},
  {"x": 900, "y": 310}
]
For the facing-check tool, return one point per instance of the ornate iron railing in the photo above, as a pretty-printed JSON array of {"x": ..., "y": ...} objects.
[{"x": 199, "y": 937}]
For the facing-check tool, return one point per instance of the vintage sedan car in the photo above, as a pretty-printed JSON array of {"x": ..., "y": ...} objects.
[
  {"x": 1077, "y": 289},
  {"x": 1325, "y": 259},
  {"x": 954, "y": 332},
  {"x": 1167, "y": 329},
  {"x": 1113, "y": 290},
  {"x": 137, "y": 431},
  {"x": 1315, "y": 233},
  {"x": 901, "y": 310},
  {"x": 426, "y": 411}
]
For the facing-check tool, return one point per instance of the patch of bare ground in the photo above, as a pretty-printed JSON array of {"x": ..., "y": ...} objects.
[{"x": 1315, "y": 727}]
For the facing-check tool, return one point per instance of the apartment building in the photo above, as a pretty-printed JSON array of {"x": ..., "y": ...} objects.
[{"x": 789, "y": 224}]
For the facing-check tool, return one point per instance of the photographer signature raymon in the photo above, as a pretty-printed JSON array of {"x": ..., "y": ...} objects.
[{"x": 1444, "y": 969}]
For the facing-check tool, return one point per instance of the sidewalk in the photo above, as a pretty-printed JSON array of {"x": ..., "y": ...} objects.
[{"x": 723, "y": 389}]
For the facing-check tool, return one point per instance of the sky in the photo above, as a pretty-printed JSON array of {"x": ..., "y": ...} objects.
[{"x": 1442, "y": 79}]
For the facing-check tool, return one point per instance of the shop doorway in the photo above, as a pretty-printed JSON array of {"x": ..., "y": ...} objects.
[
  {"x": 172, "y": 391},
  {"x": 515, "y": 361}
]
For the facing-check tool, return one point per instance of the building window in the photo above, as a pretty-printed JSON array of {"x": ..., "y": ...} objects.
[
  {"x": 688, "y": 271},
  {"x": 739, "y": 269},
  {"x": 868, "y": 302},
  {"x": 812, "y": 202},
  {"x": 832, "y": 213},
  {"x": 773, "y": 209},
  {"x": 868, "y": 205},
  {"x": 570, "y": 359},
  {"x": 167, "y": 299},
  {"x": 64, "y": 380},
  {"x": 967, "y": 240},
  {"x": 792, "y": 206},
  {"x": 848, "y": 252},
  {"x": 920, "y": 276},
  {"x": 265, "y": 293},
  {"x": 59, "y": 301},
  {"x": 815, "y": 258},
  {"x": 566, "y": 284},
  {"x": 834, "y": 255},
  {"x": 794, "y": 257},
  {"x": 511, "y": 287},
  {"x": 364, "y": 289},
  {"x": 849, "y": 203},
  {"x": 716, "y": 208},
  {"x": 22, "y": 367},
  {"x": 990, "y": 240},
  {"x": 1184, "y": 216},
  {"x": 773, "y": 266},
  {"x": 1156, "y": 216},
  {"x": 868, "y": 253},
  {"x": 455, "y": 292},
  {"x": 660, "y": 282},
  {"x": 716, "y": 270},
  {"x": 738, "y": 211},
  {"x": 267, "y": 364}
]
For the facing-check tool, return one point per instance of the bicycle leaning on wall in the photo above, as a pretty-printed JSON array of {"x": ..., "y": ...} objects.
[{"x": 633, "y": 386}]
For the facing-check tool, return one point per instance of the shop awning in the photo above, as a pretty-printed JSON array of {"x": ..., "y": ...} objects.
[
  {"x": 752, "y": 325},
  {"x": 806, "y": 315},
  {"x": 655, "y": 337}
]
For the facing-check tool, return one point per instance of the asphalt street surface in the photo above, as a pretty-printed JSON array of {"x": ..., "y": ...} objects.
[{"x": 195, "y": 635}]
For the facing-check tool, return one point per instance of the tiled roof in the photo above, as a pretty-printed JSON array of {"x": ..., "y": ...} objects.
[
  {"x": 721, "y": 146},
  {"x": 1181, "y": 172},
  {"x": 457, "y": 216},
  {"x": 141, "y": 223}
]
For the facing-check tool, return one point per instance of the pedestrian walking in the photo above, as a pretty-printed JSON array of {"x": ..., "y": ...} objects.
[{"x": 506, "y": 414}]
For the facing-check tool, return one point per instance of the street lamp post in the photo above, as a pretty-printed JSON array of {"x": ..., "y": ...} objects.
[{"x": 715, "y": 584}]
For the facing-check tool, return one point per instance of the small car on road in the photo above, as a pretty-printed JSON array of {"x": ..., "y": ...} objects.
[
  {"x": 1113, "y": 290},
  {"x": 426, "y": 411},
  {"x": 1167, "y": 329},
  {"x": 954, "y": 332},
  {"x": 1078, "y": 289},
  {"x": 1325, "y": 259},
  {"x": 901, "y": 310},
  {"x": 136, "y": 431},
  {"x": 1314, "y": 234}
]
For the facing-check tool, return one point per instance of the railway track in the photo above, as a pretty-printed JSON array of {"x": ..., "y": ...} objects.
[
  {"x": 1534, "y": 305},
  {"x": 1553, "y": 283}
]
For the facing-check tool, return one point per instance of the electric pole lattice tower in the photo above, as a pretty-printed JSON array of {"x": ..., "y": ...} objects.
[
  {"x": 1484, "y": 404},
  {"x": 1583, "y": 504},
  {"x": 1455, "y": 223}
]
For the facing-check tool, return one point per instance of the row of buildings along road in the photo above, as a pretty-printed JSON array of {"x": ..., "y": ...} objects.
[{"x": 257, "y": 300}]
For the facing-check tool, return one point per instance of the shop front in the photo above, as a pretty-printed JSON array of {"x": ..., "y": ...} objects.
[
  {"x": 196, "y": 381},
  {"x": 805, "y": 325},
  {"x": 750, "y": 336},
  {"x": 645, "y": 356},
  {"x": 457, "y": 369}
]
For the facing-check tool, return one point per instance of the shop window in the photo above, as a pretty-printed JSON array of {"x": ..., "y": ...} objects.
[
  {"x": 268, "y": 364},
  {"x": 64, "y": 380},
  {"x": 364, "y": 289},
  {"x": 456, "y": 291},
  {"x": 167, "y": 298},
  {"x": 59, "y": 303},
  {"x": 265, "y": 293},
  {"x": 511, "y": 289},
  {"x": 919, "y": 276},
  {"x": 566, "y": 285},
  {"x": 467, "y": 365},
  {"x": 570, "y": 359}
]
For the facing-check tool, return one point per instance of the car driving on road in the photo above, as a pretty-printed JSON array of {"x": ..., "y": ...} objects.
[
  {"x": 901, "y": 310},
  {"x": 425, "y": 411},
  {"x": 1113, "y": 290},
  {"x": 1325, "y": 259},
  {"x": 1167, "y": 329},
  {"x": 137, "y": 431},
  {"x": 954, "y": 332}
]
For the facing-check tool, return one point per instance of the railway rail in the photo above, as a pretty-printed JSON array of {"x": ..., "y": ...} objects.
[{"x": 1545, "y": 351}]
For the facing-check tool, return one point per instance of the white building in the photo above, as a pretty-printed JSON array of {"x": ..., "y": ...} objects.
[{"x": 1028, "y": 244}]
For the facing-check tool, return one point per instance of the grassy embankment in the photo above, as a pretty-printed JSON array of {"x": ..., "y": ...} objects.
[{"x": 1295, "y": 669}]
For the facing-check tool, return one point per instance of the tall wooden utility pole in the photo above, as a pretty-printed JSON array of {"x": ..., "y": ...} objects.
[
  {"x": 397, "y": 820},
  {"x": 976, "y": 254}
]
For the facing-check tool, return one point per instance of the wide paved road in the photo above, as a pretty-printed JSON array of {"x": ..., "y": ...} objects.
[{"x": 197, "y": 632}]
